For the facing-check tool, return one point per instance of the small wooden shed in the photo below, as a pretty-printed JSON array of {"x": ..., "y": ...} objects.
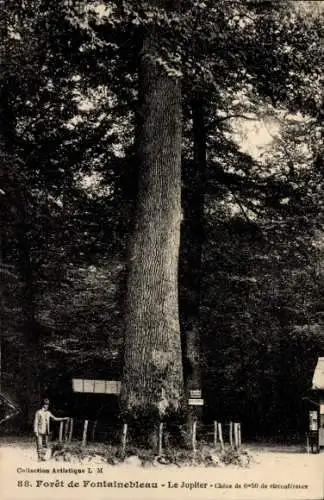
[
  {"x": 95, "y": 398},
  {"x": 318, "y": 388}
]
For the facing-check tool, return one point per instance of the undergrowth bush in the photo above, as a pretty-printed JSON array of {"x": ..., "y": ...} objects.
[{"x": 203, "y": 456}]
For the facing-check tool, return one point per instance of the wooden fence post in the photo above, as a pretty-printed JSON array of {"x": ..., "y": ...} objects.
[
  {"x": 123, "y": 440},
  {"x": 215, "y": 434},
  {"x": 85, "y": 430},
  {"x": 194, "y": 436},
  {"x": 239, "y": 435},
  {"x": 220, "y": 434},
  {"x": 71, "y": 430},
  {"x": 66, "y": 429},
  {"x": 94, "y": 430},
  {"x": 160, "y": 447},
  {"x": 231, "y": 434},
  {"x": 61, "y": 432},
  {"x": 236, "y": 440}
]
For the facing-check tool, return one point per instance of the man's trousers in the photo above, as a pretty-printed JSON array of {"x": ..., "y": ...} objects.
[{"x": 41, "y": 445}]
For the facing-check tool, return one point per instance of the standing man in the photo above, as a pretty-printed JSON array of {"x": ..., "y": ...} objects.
[{"x": 42, "y": 427}]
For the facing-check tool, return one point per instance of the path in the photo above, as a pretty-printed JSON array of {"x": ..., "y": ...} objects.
[{"x": 286, "y": 474}]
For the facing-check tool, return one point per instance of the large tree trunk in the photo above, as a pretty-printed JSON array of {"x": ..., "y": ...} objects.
[
  {"x": 193, "y": 234},
  {"x": 33, "y": 362},
  {"x": 153, "y": 376}
]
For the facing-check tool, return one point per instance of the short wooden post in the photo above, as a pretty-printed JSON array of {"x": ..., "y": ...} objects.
[
  {"x": 94, "y": 430},
  {"x": 160, "y": 448},
  {"x": 215, "y": 434},
  {"x": 61, "y": 432},
  {"x": 194, "y": 436},
  {"x": 66, "y": 429},
  {"x": 220, "y": 434},
  {"x": 71, "y": 430},
  {"x": 307, "y": 443},
  {"x": 231, "y": 434},
  {"x": 236, "y": 441},
  {"x": 124, "y": 440},
  {"x": 85, "y": 430}
]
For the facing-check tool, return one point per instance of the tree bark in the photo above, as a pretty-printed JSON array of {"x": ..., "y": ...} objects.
[
  {"x": 153, "y": 376},
  {"x": 193, "y": 234}
]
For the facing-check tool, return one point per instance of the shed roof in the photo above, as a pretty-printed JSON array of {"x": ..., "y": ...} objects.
[
  {"x": 96, "y": 386},
  {"x": 8, "y": 407},
  {"x": 318, "y": 377}
]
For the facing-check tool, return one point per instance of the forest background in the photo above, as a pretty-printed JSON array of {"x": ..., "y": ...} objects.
[{"x": 83, "y": 85}]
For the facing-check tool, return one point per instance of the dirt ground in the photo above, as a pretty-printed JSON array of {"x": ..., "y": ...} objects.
[{"x": 275, "y": 472}]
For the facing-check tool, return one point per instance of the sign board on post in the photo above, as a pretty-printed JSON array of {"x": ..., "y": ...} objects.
[
  {"x": 195, "y": 394},
  {"x": 313, "y": 421},
  {"x": 195, "y": 402}
]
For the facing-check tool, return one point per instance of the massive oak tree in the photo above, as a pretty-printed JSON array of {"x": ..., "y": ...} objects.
[{"x": 153, "y": 375}]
